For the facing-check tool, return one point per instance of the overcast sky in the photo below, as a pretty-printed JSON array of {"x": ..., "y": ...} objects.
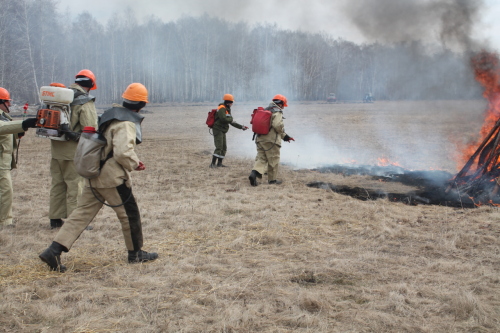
[{"x": 308, "y": 15}]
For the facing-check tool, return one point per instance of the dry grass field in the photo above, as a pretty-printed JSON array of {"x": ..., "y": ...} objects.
[{"x": 287, "y": 258}]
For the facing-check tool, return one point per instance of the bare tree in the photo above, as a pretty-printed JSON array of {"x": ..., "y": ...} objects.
[{"x": 200, "y": 58}]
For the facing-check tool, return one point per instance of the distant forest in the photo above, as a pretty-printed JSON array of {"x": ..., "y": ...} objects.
[{"x": 198, "y": 59}]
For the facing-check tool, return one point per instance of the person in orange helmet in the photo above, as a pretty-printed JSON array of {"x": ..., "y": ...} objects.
[
  {"x": 10, "y": 132},
  {"x": 269, "y": 145},
  {"x": 66, "y": 184},
  {"x": 223, "y": 118},
  {"x": 121, "y": 126}
]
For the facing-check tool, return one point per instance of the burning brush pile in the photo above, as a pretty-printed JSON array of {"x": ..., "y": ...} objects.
[{"x": 476, "y": 184}]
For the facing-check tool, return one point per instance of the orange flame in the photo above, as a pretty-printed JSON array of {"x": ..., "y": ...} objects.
[
  {"x": 349, "y": 161},
  {"x": 382, "y": 161},
  {"x": 487, "y": 73}
]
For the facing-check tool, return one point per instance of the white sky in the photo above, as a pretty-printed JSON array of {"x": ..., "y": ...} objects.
[{"x": 308, "y": 15}]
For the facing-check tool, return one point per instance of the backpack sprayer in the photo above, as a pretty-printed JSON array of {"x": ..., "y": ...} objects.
[{"x": 55, "y": 111}]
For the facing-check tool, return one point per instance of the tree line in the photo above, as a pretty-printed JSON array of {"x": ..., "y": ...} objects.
[{"x": 198, "y": 59}]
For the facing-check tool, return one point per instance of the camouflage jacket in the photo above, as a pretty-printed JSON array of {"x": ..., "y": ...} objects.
[{"x": 223, "y": 119}]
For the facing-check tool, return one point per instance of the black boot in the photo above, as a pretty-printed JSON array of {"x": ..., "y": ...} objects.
[
  {"x": 56, "y": 223},
  {"x": 214, "y": 160},
  {"x": 219, "y": 164},
  {"x": 52, "y": 257},
  {"x": 141, "y": 256},
  {"x": 275, "y": 182},
  {"x": 253, "y": 177}
]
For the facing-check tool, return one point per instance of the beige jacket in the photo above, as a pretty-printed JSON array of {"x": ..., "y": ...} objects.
[
  {"x": 81, "y": 116},
  {"x": 8, "y": 140},
  {"x": 120, "y": 136},
  {"x": 277, "y": 131}
]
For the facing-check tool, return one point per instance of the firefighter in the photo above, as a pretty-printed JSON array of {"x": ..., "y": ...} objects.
[
  {"x": 10, "y": 132},
  {"x": 121, "y": 126},
  {"x": 66, "y": 184},
  {"x": 269, "y": 145},
  {"x": 223, "y": 119}
]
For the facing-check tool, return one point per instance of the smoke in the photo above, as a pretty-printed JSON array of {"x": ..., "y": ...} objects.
[{"x": 450, "y": 23}]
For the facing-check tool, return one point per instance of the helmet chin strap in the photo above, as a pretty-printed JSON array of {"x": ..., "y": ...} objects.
[
  {"x": 3, "y": 102},
  {"x": 279, "y": 107}
]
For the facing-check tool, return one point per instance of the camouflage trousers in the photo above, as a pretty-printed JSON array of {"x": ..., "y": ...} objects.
[{"x": 220, "y": 144}]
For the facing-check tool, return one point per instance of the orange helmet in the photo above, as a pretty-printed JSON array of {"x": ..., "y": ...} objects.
[
  {"x": 55, "y": 84},
  {"x": 228, "y": 97},
  {"x": 88, "y": 73},
  {"x": 136, "y": 92},
  {"x": 281, "y": 98},
  {"x": 4, "y": 94}
]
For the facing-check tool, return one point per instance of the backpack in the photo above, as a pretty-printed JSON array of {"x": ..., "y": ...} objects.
[
  {"x": 55, "y": 112},
  {"x": 261, "y": 120},
  {"x": 211, "y": 118},
  {"x": 89, "y": 150},
  {"x": 88, "y": 163},
  {"x": 88, "y": 153}
]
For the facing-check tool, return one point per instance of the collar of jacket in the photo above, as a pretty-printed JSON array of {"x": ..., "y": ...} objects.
[
  {"x": 4, "y": 116},
  {"x": 81, "y": 96},
  {"x": 273, "y": 107},
  {"x": 222, "y": 105},
  {"x": 118, "y": 112}
]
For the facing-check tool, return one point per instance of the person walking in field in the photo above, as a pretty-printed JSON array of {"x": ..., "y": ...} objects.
[
  {"x": 10, "y": 132},
  {"x": 66, "y": 184},
  {"x": 223, "y": 119},
  {"x": 121, "y": 126},
  {"x": 269, "y": 145}
]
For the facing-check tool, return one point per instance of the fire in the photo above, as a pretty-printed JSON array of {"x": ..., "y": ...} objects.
[
  {"x": 479, "y": 176},
  {"x": 382, "y": 161},
  {"x": 487, "y": 73},
  {"x": 493, "y": 204},
  {"x": 349, "y": 161}
]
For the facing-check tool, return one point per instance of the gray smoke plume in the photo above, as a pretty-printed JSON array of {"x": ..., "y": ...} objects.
[{"x": 448, "y": 22}]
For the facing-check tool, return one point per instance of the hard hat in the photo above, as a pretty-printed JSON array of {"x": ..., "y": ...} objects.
[
  {"x": 88, "y": 73},
  {"x": 228, "y": 97},
  {"x": 281, "y": 98},
  {"x": 136, "y": 92},
  {"x": 4, "y": 94},
  {"x": 55, "y": 84}
]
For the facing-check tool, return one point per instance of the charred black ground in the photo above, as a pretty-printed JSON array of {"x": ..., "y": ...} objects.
[{"x": 430, "y": 186}]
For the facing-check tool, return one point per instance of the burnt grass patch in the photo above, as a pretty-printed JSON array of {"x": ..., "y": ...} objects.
[
  {"x": 309, "y": 278},
  {"x": 430, "y": 186}
]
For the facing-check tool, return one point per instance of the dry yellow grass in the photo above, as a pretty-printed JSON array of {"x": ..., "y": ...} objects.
[{"x": 286, "y": 258}]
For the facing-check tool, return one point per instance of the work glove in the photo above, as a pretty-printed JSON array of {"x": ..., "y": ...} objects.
[
  {"x": 20, "y": 135},
  {"x": 29, "y": 123},
  {"x": 244, "y": 128},
  {"x": 141, "y": 166},
  {"x": 75, "y": 136},
  {"x": 288, "y": 138}
]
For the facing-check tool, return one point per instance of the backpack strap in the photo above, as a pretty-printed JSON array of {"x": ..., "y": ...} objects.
[
  {"x": 101, "y": 130},
  {"x": 106, "y": 159}
]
